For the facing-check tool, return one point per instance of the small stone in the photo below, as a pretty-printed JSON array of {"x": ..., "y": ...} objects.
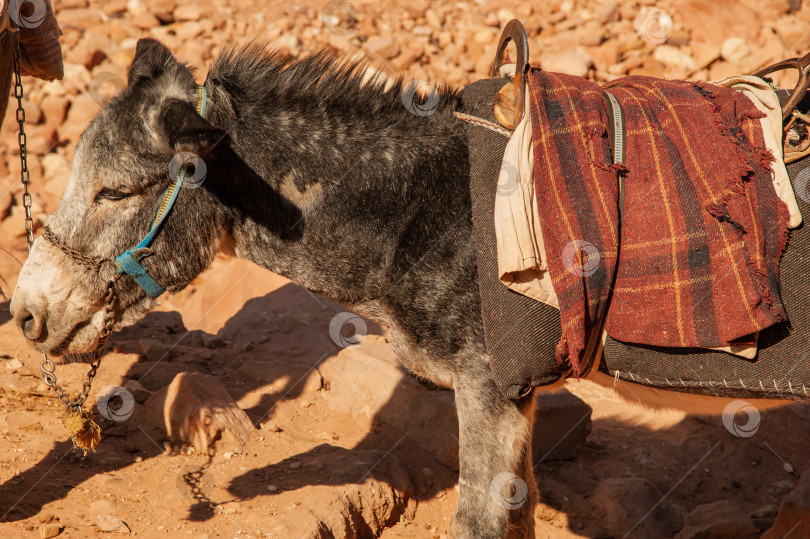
[
  {"x": 114, "y": 7},
  {"x": 227, "y": 455},
  {"x": 432, "y": 19},
  {"x": 139, "y": 459},
  {"x": 421, "y": 30},
  {"x": 305, "y": 404},
  {"x": 427, "y": 472},
  {"x": 213, "y": 341},
  {"x": 145, "y": 21},
  {"x": 675, "y": 58},
  {"x": 49, "y": 530},
  {"x": 154, "y": 349},
  {"x": 591, "y": 35},
  {"x": 82, "y": 109},
  {"x": 272, "y": 488},
  {"x": 607, "y": 12},
  {"x": 14, "y": 364},
  {"x": 720, "y": 70},
  {"x": 193, "y": 29},
  {"x": 570, "y": 63},
  {"x": 191, "y": 12},
  {"x": 89, "y": 51},
  {"x": 139, "y": 393},
  {"x": 704, "y": 53},
  {"x": 385, "y": 46},
  {"x": 111, "y": 523},
  {"x": 295, "y": 465},
  {"x": 605, "y": 55},
  {"x": 290, "y": 42},
  {"x": 737, "y": 51},
  {"x": 54, "y": 109},
  {"x": 765, "y": 512}
]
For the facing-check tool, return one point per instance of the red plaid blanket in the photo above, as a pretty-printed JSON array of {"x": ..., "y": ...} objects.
[{"x": 701, "y": 226}]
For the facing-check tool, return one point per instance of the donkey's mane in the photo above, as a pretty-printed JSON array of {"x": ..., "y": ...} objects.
[{"x": 323, "y": 77}]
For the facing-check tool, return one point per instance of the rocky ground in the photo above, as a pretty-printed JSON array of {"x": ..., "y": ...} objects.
[{"x": 330, "y": 447}]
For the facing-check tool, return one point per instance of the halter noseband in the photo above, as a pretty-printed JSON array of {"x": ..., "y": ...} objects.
[{"x": 128, "y": 262}]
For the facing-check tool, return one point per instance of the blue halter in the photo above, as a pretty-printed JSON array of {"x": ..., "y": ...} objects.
[{"x": 129, "y": 261}]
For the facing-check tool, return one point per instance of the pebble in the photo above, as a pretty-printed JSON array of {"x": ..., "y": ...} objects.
[
  {"x": 736, "y": 51},
  {"x": 14, "y": 364},
  {"x": 111, "y": 523},
  {"x": 49, "y": 530},
  {"x": 139, "y": 393},
  {"x": 272, "y": 488},
  {"x": 570, "y": 63},
  {"x": 385, "y": 46},
  {"x": 675, "y": 58},
  {"x": 607, "y": 12},
  {"x": 295, "y": 465}
]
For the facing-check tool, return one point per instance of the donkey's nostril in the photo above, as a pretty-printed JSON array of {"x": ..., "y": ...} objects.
[{"x": 30, "y": 324}]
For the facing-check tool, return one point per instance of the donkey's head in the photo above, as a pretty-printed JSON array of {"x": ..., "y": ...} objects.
[{"x": 124, "y": 161}]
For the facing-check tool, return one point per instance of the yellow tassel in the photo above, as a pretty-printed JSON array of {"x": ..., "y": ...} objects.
[{"x": 83, "y": 431}]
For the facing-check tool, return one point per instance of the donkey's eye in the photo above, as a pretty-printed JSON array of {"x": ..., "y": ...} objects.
[{"x": 110, "y": 194}]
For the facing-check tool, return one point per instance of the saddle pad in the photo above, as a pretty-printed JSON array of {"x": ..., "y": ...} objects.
[
  {"x": 520, "y": 333},
  {"x": 780, "y": 369}
]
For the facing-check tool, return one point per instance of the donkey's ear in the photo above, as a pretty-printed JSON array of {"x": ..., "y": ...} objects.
[
  {"x": 151, "y": 57},
  {"x": 186, "y": 131}
]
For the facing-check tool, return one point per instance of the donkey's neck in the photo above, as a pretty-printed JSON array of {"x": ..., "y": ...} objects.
[{"x": 343, "y": 197}]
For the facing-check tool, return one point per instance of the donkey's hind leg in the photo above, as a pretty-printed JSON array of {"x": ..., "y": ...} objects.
[{"x": 497, "y": 491}]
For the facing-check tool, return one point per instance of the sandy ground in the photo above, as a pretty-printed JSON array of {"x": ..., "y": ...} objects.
[{"x": 256, "y": 490}]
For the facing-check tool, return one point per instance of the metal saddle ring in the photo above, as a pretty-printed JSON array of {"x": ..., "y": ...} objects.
[
  {"x": 802, "y": 65},
  {"x": 514, "y": 31}
]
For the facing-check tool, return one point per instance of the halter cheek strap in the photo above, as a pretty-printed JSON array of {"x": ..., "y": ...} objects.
[{"x": 128, "y": 262}]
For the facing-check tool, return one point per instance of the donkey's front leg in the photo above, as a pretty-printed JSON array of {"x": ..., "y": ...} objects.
[{"x": 497, "y": 491}]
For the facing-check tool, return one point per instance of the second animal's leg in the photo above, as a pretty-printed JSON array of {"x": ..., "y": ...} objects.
[{"x": 497, "y": 491}]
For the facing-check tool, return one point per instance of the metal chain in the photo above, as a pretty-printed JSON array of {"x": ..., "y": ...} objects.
[
  {"x": 21, "y": 139},
  {"x": 47, "y": 366},
  {"x": 89, "y": 262},
  {"x": 106, "y": 331}
]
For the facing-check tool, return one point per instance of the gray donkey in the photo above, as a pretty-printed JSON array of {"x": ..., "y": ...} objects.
[{"x": 316, "y": 173}]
